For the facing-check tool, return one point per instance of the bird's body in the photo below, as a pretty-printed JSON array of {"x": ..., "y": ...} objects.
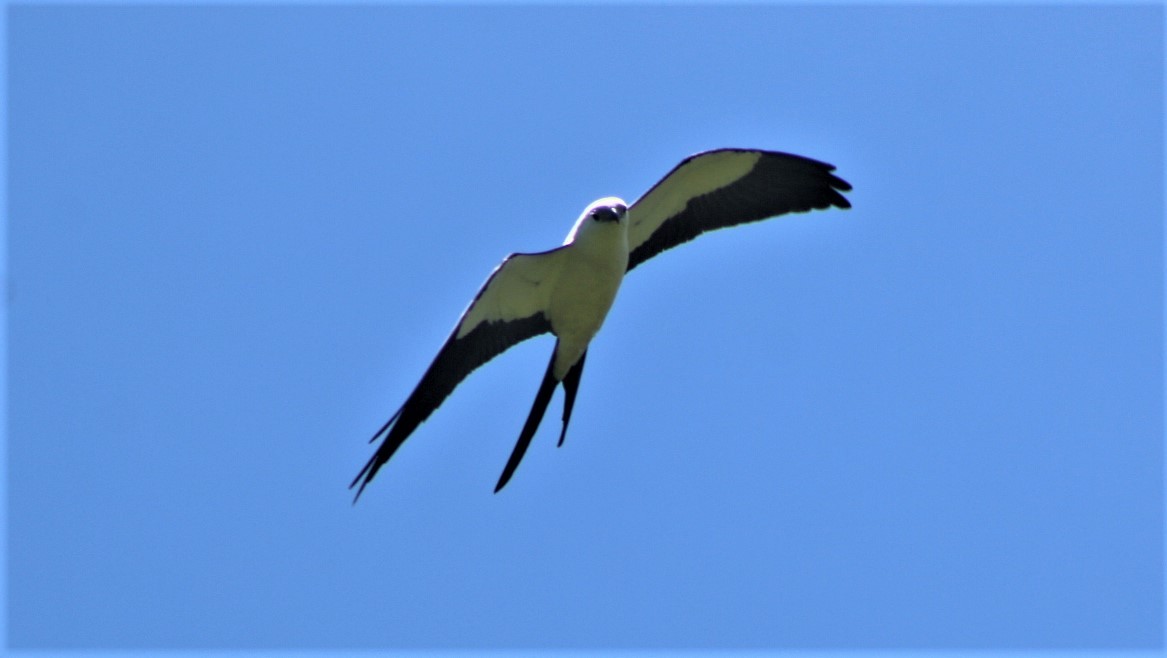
[
  {"x": 582, "y": 295},
  {"x": 569, "y": 290}
]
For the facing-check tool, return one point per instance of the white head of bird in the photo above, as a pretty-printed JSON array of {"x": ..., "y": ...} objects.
[{"x": 603, "y": 214}]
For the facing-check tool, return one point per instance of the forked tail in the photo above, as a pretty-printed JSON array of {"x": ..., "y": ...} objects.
[{"x": 542, "y": 399}]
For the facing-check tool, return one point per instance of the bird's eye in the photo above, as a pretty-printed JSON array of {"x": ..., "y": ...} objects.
[{"x": 604, "y": 215}]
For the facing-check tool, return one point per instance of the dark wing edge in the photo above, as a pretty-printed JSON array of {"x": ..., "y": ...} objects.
[
  {"x": 457, "y": 358},
  {"x": 778, "y": 183}
]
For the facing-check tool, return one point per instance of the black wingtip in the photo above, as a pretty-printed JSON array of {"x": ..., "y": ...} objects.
[
  {"x": 839, "y": 183},
  {"x": 837, "y": 187},
  {"x": 386, "y": 425},
  {"x": 364, "y": 477},
  {"x": 380, "y": 456}
]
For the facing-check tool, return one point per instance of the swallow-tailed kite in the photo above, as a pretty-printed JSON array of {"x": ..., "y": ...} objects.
[{"x": 568, "y": 290}]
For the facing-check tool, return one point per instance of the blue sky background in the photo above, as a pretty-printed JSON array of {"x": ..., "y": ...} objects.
[{"x": 238, "y": 235}]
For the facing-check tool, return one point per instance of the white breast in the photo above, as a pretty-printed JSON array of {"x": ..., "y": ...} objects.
[{"x": 586, "y": 288}]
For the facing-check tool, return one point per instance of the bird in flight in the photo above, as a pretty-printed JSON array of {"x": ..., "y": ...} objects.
[{"x": 568, "y": 290}]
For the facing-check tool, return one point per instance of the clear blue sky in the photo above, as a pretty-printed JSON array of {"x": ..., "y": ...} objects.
[{"x": 238, "y": 235}]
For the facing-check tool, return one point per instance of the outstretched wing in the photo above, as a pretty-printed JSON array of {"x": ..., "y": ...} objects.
[
  {"x": 726, "y": 187},
  {"x": 510, "y": 308}
]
